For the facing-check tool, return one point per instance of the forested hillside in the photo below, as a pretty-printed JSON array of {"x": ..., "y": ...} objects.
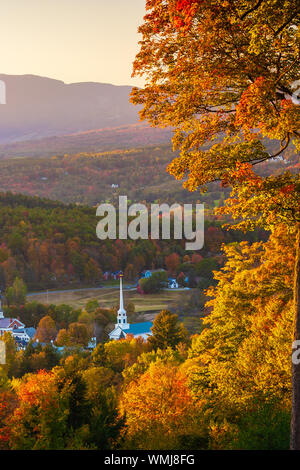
[
  {"x": 226, "y": 388},
  {"x": 91, "y": 178},
  {"x": 92, "y": 140}
]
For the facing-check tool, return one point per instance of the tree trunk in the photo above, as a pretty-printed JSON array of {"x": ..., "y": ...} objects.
[{"x": 295, "y": 421}]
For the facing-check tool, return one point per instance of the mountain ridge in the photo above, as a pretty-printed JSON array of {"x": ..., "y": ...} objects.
[{"x": 38, "y": 107}]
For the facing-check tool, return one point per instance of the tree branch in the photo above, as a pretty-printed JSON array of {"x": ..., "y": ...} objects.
[
  {"x": 251, "y": 10},
  {"x": 286, "y": 23},
  {"x": 276, "y": 154}
]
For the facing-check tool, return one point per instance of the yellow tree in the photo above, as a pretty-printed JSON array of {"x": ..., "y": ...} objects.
[
  {"x": 159, "y": 408},
  {"x": 225, "y": 76},
  {"x": 241, "y": 359}
]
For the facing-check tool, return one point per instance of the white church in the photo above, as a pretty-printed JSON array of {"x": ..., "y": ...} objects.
[{"x": 123, "y": 328}]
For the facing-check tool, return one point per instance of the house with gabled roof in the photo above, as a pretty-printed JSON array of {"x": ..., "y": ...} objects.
[
  {"x": 123, "y": 328},
  {"x": 8, "y": 324}
]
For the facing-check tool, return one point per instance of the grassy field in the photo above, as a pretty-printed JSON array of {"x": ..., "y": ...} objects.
[{"x": 147, "y": 304}]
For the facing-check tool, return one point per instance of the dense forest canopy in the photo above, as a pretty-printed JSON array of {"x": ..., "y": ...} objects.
[
  {"x": 47, "y": 243},
  {"x": 225, "y": 388}
]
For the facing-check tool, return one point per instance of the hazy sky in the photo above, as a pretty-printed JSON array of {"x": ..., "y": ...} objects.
[{"x": 71, "y": 40}]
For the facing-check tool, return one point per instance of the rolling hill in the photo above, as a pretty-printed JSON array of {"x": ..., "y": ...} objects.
[
  {"x": 96, "y": 140},
  {"x": 93, "y": 177}
]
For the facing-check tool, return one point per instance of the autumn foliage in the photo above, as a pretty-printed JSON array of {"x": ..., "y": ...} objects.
[
  {"x": 226, "y": 387},
  {"x": 158, "y": 406},
  {"x": 223, "y": 74}
]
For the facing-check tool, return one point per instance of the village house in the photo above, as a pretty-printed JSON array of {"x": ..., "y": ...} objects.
[{"x": 16, "y": 328}]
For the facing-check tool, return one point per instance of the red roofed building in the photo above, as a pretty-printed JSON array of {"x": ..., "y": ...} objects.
[{"x": 8, "y": 324}]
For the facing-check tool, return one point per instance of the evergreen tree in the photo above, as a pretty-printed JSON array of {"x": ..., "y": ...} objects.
[{"x": 166, "y": 331}]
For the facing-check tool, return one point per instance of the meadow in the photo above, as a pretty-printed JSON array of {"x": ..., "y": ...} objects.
[{"x": 108, "y": 297}]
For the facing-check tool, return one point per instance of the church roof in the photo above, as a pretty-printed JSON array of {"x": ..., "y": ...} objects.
[
  {"x": 134, "y": 329},
  {"x": 139, "y": 328}
]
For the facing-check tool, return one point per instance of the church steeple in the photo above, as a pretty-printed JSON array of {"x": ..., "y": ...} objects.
[
  {"x": 122, "y": 314},
  {"x": 1, "y": 313}
]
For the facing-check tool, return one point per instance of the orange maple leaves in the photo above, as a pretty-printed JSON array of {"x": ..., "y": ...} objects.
[
  {"x": 160, "y": 397},
  {"x": 187, "y": 9},
  {"x": 7, "y": 404},
  {"x": 258, "y": 111},
  {"x": 38, "y": 388},
  {"x": 243, "y": 172}
]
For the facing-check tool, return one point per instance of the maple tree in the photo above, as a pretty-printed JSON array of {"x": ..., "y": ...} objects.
[
  {"x": 251, "y": 317},
  {"x": 225, "y": 75},
  {"x": 124, "y": 352},
  {"x": 16, "y": 294},
  {"x": 10, "y": 366},
  {"x": 39, "y": 421},
  {"x": 97, "y": 378},
  {"x": 159, "y": 408},
  {"x": 78, "y": 334},
  {"x": 8, "y": 403}
]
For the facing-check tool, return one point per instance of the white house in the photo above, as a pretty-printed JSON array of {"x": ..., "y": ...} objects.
[
  {"x": 9, "y": 324},
  {"x": 24, "y": 334},
  {"x": 173, "y": 284},
  {"x": 123, "y": 328}
]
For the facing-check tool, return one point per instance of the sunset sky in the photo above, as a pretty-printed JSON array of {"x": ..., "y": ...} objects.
[{"x": 71, "y": 40}]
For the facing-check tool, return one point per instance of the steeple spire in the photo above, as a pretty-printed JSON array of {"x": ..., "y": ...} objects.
[
  {"x": 122, "y": 314},
  {"x": 121, "y": 295}
]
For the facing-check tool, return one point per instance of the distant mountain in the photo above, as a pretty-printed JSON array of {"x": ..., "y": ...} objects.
[{"x": 38, "y": 107}]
